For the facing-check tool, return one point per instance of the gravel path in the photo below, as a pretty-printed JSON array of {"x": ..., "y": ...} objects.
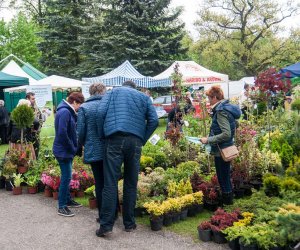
[{"x": 30, "y": 222}]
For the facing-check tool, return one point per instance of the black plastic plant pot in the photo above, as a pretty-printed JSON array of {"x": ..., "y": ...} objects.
[
  {"x": 219, "y": 237},
  {"x": 277, "y": 248},
  {"x": 168, "y": 220},
  {"x": 2, "y": 182},
  {"x": 248, "y": 247},
  {"x": 40, "y": 187},
  {"x": 8, "y": 185},
  {"x": 192, "y": 211},
  {"x": 176, "y": 217},
  {"x": 247, "y": 190},
  {"x": 156, "y": 223},
  {"x": 234, "y": 244},
  {"x": 205, "y": 235},
  {"x": 199, "y": 208},
  {"x": 211, "y": 206},
  {"x": 138, "y": 212},
  {"x": 239, "y": 193},
  {"x": 183, "y": 214}
]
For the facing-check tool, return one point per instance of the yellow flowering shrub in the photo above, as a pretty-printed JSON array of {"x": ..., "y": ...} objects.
[
  {"x": 154, "y": 208},
  {"x": 187, "y": 200},
  {"x": 289, "y": 208},
  {"x": 245, "y": 221},
  {"x": 198, "y": 196}
]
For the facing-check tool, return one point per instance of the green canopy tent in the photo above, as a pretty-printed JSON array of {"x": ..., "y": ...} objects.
[{"x": 7, "y": 81}]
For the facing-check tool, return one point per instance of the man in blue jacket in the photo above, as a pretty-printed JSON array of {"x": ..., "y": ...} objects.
[{"x": 126, "y": 119}]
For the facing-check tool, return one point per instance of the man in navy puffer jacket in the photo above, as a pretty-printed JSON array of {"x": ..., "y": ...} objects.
[{"x": 126, "y": 119}]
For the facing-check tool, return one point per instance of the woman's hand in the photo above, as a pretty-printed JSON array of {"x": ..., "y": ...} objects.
[{"x": 204, "y": 140}]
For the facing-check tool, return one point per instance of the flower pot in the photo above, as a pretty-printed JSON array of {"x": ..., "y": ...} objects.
[
  {"x": 73, "y": 193},
  {"x": 92, "y": 203},
  {"x": 22, "y": 169},
  {"x": 256, "y": 184},
  {"x": 192, "y": 211},
  {"x": 156, "y": 223},
  {"x": 168, "y": 220},
  {"x": 199, "y": 208},
  {"x": 219, "y": 237},
  {"x": 48, "y": 192},
  {"x": 205, "y": 234},
  {"x": 176, "y": 217},
  {"x": 183, "y": 214},
  {"x": 80, "y": 194},
  {"x": 8, "y": 185},
  {"x": 248, "y": 247},
  {"x": 17, "y": 190},
  {"x": 211, "y": 206},
  {"x": 2, "y": 182},
  {"x": 31, "y": 190},
  {"x": 55, "y": 195},
  {"x": 40, "y": 187},
  {"x": 239, "y": 193},
  {"x": 234, "y": 244}
]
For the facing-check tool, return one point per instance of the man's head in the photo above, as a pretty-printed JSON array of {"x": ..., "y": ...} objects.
[
  {"x": 1, "y": 103},
  {"x": 30, "y": 96},
  {"x": 130, "y": 84},
  {"x": 97, "y": 89}
]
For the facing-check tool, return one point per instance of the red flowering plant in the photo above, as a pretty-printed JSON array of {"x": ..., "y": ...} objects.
[
  {"x": 51, "y": 178},
  {"x": 222, "y": 219},
  {"x": 210, "y": 190},
  {"x": 74, "y": 183},
  {"x": 85, "y": 179},
  {"x": 205, "y": 225}
]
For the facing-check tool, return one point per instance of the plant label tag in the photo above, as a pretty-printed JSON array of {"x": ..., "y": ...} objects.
[{"x": 154, "y": 139}]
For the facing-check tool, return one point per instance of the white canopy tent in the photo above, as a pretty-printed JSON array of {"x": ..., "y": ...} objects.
[
  {"x": 194, "y": 74},
  {"x": 13, "y": 68}
]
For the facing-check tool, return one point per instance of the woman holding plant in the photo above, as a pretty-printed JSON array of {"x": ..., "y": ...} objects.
[
  {"x": 221, "y": 135},
  {"x": 88, "y": 137},
  {"x": 65, "y": 147}
]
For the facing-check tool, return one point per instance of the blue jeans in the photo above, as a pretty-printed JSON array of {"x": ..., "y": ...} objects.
[
  {"x": 223, "y": 174},
  {"x": 64, "y": 188},
  {"x": 120, "y": 149}
]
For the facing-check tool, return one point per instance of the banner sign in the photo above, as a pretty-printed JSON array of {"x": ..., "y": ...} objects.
[{"x": 43, "y": 94}]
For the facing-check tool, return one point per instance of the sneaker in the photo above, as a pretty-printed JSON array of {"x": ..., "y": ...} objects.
[
  {"x": 131, "y": 228},
  {"x": 73, "y": 204},
  {"x": 65, "y": 212},
  {"x": 102, "y": 233}
]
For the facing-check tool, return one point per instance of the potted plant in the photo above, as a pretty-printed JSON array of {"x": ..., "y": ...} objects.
[
  {"x": 85, "y": 181},
  {"x": 18, "y": 179},
  {"x": 204, "y": 231},
  {"x": 90, "y": 192},
  {"x": 8, "y": 170},
  {"x": 32, "y": 181},
  {"x": 74, "y": 185},
  {"x": 155, "y": 209},
  {"x": 55, "y": 186},
  {"x": 186, "y": 201}
]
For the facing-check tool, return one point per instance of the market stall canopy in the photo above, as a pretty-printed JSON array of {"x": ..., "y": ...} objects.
[
  {"x": 13, "y": 68},
  {"x": 127, "y": 72},
  {"x": 291, "y": 71},
  {"x": 60, "y": 82},
  {"x": 193, "y": 74},
  {"x": 7, "y": 80},
  {"x": 33, "y": 72}
]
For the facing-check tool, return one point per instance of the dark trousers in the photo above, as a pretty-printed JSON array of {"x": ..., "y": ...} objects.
[
  {"x": 223, "y": 174},
  {"x": 3, "y": 134},
  {"x": 97, "y": 168},
  {"x": 120, "y": 149},
  {"x": 64, "y": 188}
]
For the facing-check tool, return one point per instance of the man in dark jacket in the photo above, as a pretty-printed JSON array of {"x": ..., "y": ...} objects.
[
  {"x": 65, "y": 147},
  {"x": 4, "y": 121},
  {"x": 126, "y": 118}
]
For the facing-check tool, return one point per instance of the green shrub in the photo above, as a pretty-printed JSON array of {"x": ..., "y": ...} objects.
[
  {"x": 146, "y": 162},
  {"x": 290, "y": 184},
  {"x": 296, "y": 105},
  {"x": 286, "y": 154},
  {"x": 160, "y": 160},
  {"x": 272, "y": 185}
]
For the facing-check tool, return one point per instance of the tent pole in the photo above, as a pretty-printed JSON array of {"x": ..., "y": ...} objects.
[{"x": 228, "y": 88}]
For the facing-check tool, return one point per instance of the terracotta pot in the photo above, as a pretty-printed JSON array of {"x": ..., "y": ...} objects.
[
  {"x": 22, "y": 169},
  {"x": 73, "y": 193},
  {"x": 32, "y": 190},
  {"x": 92, "y": 203},
  {"x": 17, "y": 190},
  {"x": 47, "y": 192},
  {"x": 79, "y": 194},
  {"x": 55, "y": 195}
]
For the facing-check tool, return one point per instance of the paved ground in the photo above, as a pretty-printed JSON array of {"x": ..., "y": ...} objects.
[{"x": 30, "y": 222}]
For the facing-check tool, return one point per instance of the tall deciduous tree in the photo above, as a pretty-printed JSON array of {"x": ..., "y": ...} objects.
[
  {"x": 142, "y": 31},
  {"x": 19, "y": 37},
  {"x": 250, "y": 26},
  {"x": 63, "y": 23}
]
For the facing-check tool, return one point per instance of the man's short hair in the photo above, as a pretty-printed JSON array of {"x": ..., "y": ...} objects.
[
  {"x": 97, "y": 89},
  {"x": 29, "y": 94},
  {"x": 130, "y": 84}
]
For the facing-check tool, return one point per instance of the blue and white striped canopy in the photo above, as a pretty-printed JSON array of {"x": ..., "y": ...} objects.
[{"x": 127, "y": 72}]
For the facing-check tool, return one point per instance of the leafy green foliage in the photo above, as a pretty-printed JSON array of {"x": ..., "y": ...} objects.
[
  {"x": 272, "y": 185},
  {"x": 286, "y": 154},
  {"x": 290, "y": 184},
  {"x": 296, "y": 105}
]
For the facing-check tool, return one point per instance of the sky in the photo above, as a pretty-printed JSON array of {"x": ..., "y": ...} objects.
[{"x": 188, "y": 16}]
